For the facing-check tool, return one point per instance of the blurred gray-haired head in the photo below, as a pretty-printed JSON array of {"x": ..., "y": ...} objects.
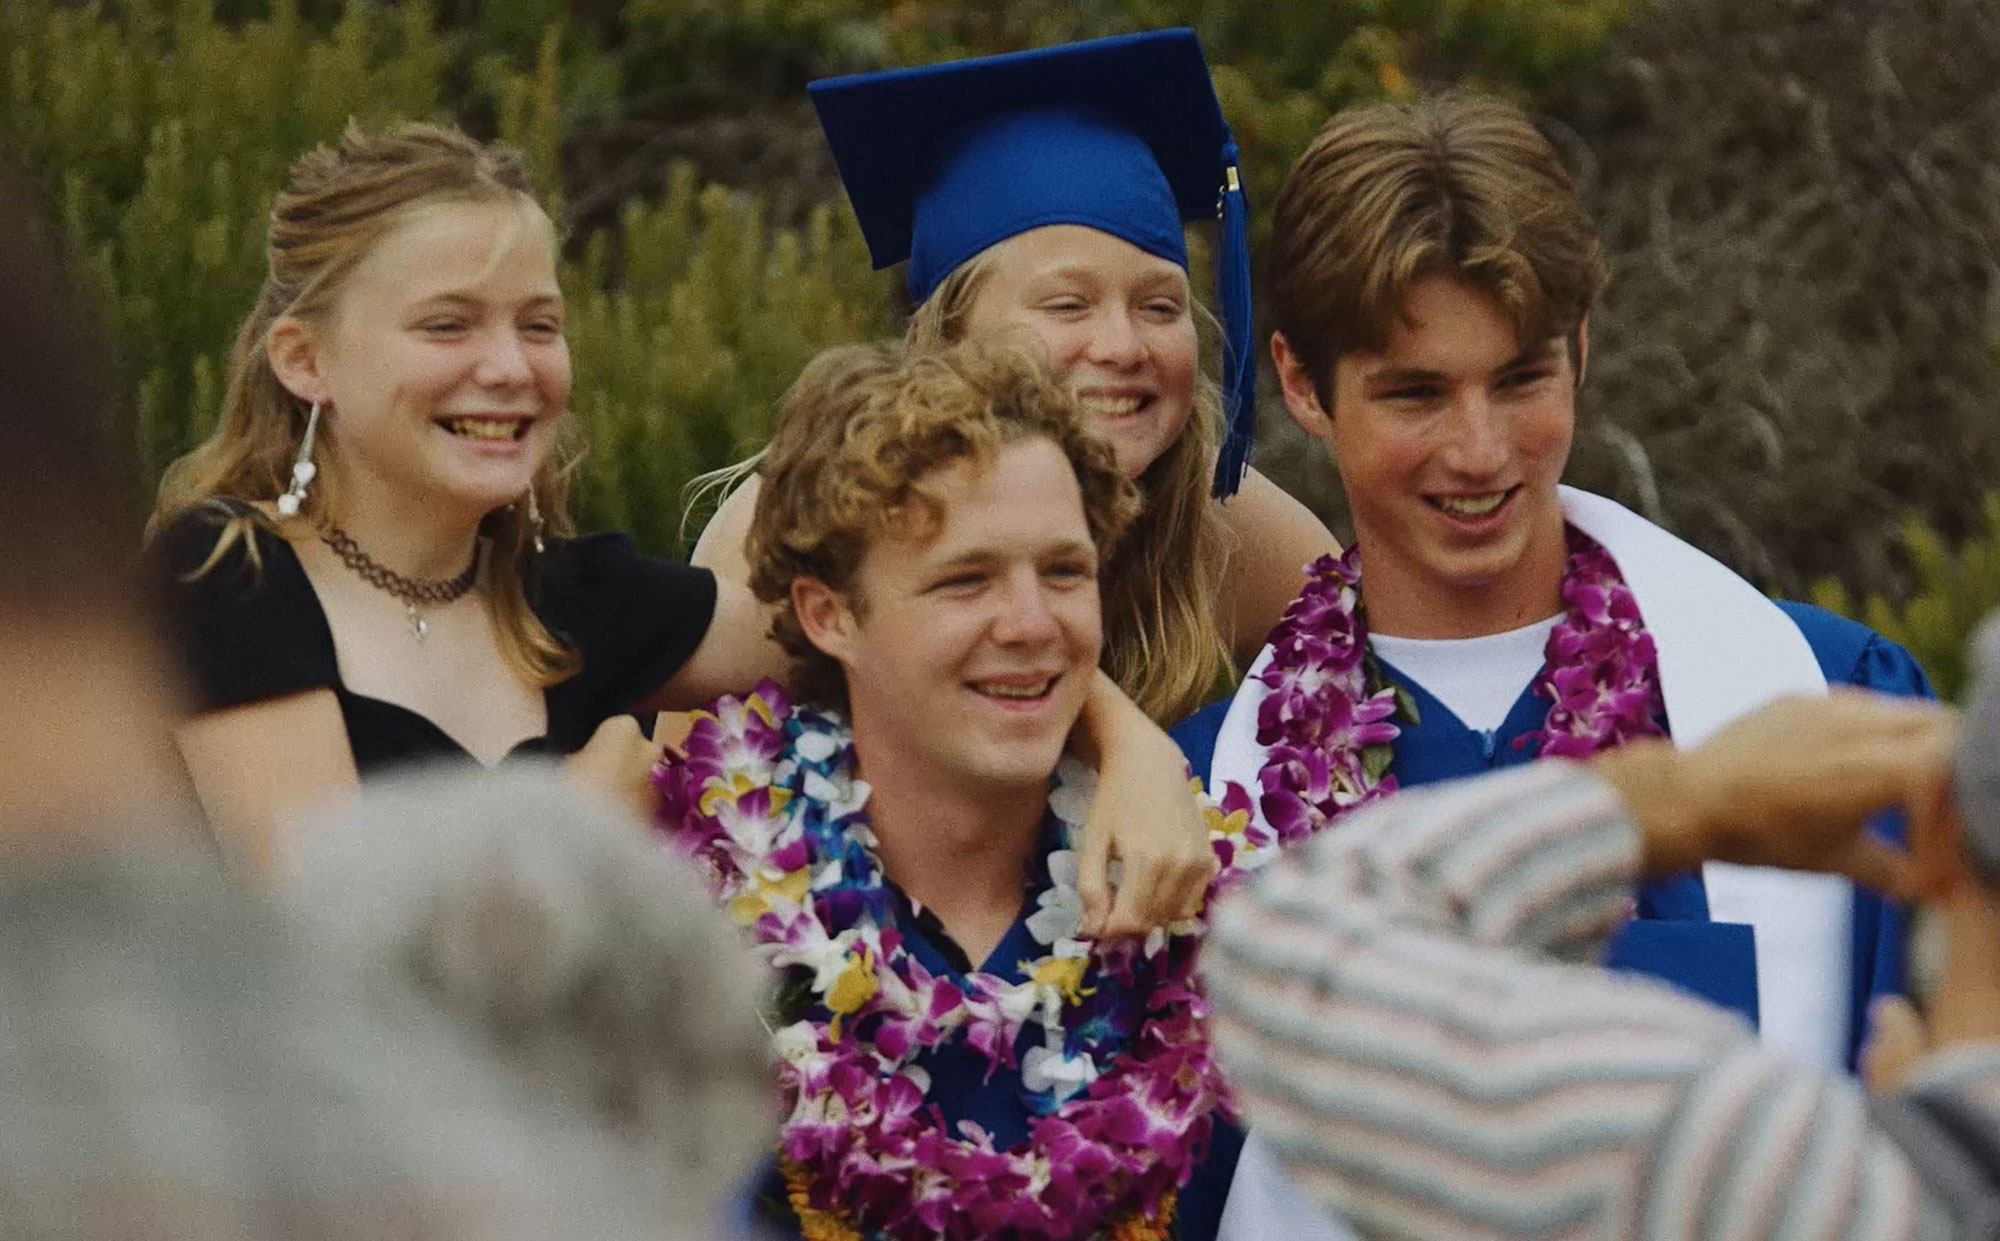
[
  {"x": 568, "y": 948},
  {"x": 1976, "y": 765},
  {"x": 486, "y": 1008}
]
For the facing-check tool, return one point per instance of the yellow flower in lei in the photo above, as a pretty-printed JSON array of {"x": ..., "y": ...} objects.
[
  {"x": 748, "y": 906},
  {"x": 1062, "y": 975},
  {"x": 851, "y": 991},
  {"x": 1235, "y": 823},
  {"x": 814, "y": 1224}
]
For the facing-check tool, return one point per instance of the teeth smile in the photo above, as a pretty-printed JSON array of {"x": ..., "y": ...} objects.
[
  {"x": 1471, "y": 506},
  {"x": 1102, "y": 406},
  {"x": 1014, "y": 691},
  {"x": 486, "y": 428}
]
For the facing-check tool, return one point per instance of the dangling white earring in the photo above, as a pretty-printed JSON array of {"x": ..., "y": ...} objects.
[
  {"x": 535, "y": 521},
  {"x": 303, "y": 469}
]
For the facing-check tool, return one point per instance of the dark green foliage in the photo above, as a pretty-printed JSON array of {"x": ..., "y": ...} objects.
[
  {"x": 163, "y": 132},
  {"x": 1796, "y": 348},
  {"x": 1954, "y": 588},
  {"x": 161, "y": 135}
]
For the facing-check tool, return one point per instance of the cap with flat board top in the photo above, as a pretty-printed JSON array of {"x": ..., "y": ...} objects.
[{"x": 1123, "y": 135}]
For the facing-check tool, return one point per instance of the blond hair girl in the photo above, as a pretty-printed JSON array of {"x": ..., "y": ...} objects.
[
  {"x": 1043, "y": 194},
  {"x": 368, "y": 560}
]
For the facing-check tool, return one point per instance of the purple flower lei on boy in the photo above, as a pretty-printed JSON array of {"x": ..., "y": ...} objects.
[
  {"x": 768, "y": 804},
  {"x": 1328, "y": 722}
]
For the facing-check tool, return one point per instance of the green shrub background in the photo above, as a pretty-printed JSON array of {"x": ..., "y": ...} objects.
[{"x": 1795, "y": 367}]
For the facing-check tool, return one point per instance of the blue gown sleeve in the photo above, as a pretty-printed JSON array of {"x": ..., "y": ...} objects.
[{"x": 1850, "y": 653}]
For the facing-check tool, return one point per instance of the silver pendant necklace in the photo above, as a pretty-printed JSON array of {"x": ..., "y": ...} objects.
[{"x": 413, "y": 591}]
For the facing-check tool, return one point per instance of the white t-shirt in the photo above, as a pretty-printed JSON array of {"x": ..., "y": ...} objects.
[{"x": 1480, "y": 679}]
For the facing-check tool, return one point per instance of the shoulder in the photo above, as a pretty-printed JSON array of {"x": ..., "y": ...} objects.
[
  {"x": 1266, "y": 520},
  {"x": 634, "y": 618},
  {"x": 1850, "y": 653},
  {"x": 1259, "y": 501},
  {"x": 216, "y": 536},
  {"x": 1272, "y": 537},
  {"x": 245, "y": 616},
  {"x": 223, "y": 556},
  {"x": 595, "y": 566}
]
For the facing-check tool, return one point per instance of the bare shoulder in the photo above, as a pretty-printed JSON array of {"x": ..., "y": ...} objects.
[
  {"x": 720, "y": 547},
  {"x": 1273, "y": 538}
]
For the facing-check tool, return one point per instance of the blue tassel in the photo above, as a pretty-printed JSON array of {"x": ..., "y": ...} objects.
[{"x": 1239, "y": 359}]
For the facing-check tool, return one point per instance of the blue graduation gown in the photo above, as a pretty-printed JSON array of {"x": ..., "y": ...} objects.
[
  {"x": 1003, "y": 1105},
  {"x": 1673, "y": 938}
]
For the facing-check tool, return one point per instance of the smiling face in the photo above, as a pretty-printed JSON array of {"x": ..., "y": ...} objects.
[
  {"x": 1117, "y": 322},
  {"x": 968, "y": 651},
  {"x": 443, "y": 363},
  {"x": 1451, "y": 442}
]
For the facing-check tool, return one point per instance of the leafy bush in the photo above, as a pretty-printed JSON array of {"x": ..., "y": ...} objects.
[
  {"x": 163, "y": 132},
  {"x": 1955, "y": 587},
  {"x": 682, "y": 350},
  {"x": 162, "y": 137},
  {"x": 161, "y": 127}
]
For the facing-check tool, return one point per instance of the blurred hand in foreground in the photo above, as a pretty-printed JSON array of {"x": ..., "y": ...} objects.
[{"x": 1793, "y": 785}]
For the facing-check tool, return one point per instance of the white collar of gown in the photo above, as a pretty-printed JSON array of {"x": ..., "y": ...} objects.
[{"x": 1724, "y": 650}]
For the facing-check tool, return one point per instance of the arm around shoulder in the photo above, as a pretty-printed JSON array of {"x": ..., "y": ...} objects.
[
  {"x": 737, "y": 652},
  {"x": 720, "y": 546}
]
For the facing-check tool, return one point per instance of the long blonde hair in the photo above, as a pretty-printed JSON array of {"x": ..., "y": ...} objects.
[
  {"x": 337, "y": 205},
  {"x": 1163, "y": 643}
]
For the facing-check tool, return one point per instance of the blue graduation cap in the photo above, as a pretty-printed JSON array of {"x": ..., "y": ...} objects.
[{"x": 1123, "y": 135}]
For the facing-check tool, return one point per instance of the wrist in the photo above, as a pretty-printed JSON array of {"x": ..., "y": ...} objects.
[
  {"x": 1662, "y": 799},
  {"x": 1103, "y": 730}
]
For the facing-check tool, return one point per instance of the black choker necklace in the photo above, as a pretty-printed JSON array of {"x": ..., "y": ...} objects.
[{"x": 411, "y": 590}]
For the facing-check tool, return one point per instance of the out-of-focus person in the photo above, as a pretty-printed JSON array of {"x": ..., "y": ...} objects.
[
  {"x": 1409, "y": 1008},
  {"x": 541, "y": 1032}
]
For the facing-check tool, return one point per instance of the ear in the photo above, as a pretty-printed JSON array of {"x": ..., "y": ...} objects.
[
  {"x": 829, "y": 623},
  {"x": 1301, "y": 391},
  {"x": 294, "y": 354},
  {"x": 1582, "y": 348}
]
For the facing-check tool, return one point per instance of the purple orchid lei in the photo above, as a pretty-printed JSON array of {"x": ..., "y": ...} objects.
[
  {"x": 1328, "y": 722},
  {"x": 767, "y": 803}
]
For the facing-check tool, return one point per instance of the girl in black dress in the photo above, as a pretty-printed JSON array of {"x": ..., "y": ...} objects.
[{"x": 370, "y": 559}]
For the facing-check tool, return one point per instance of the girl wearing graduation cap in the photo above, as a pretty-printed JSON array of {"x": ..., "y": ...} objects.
[
  {"x": 368, "y": 562},
  {"x": 1044, "y": 193}
]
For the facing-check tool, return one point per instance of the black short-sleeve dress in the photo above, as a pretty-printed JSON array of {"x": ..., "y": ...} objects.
[{"x": 251, "y": 632}]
